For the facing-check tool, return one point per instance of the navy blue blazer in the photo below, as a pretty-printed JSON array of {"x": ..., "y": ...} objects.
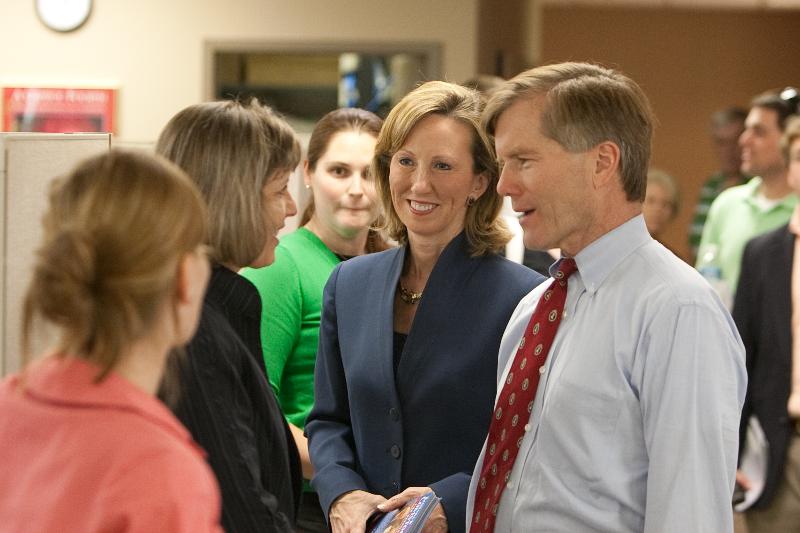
[{"x": 374, "y": 431}]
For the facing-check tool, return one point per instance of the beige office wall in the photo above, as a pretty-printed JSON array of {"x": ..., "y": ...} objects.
[{"x": 153, "y": 49}]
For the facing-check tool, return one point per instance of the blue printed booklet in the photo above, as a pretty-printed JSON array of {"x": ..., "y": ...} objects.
[{"x": 408, "y": 519}]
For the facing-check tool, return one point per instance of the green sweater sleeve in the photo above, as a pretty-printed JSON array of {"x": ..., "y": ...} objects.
[
  {"x": 291, "y": 302},
  {"x": 281, "y": 312}
]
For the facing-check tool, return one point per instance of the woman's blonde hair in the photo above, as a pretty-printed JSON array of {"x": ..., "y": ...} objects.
[
  {"x": 484, "y": 230},
  {"x": 114, "y": 234},
  {"x": 231, "y": 150}
]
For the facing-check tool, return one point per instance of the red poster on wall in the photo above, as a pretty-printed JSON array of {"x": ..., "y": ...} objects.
[{"x": 56, "y": 110}]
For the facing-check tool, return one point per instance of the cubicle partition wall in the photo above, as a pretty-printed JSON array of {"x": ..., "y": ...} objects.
[{"x": 28, "y": 163}]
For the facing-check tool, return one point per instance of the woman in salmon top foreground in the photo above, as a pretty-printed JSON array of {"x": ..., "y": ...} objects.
[{"x": 121, "y": 273}]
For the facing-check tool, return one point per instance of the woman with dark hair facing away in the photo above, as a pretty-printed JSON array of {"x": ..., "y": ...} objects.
[
  {"x": 407, "y": 359},
  {"x": 240, "y": 156},
  {"x": 335, "y": 226},
  {"x": 120, "y": 273}
]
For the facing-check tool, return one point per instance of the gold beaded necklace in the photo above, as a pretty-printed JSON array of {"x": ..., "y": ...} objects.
[{"x": 409, "y": 297}]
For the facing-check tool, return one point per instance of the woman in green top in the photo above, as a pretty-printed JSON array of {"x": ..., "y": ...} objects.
[{"x": 335, "y": 226}]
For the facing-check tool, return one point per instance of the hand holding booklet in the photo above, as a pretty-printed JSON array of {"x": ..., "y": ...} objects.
[
  {"x": 753, "y": 463},
  {"x": 408, "y": 519}
]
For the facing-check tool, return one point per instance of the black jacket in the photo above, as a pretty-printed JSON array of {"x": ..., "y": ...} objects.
[
  {"x": 231, "y": 411},
  {"x": 763, "y": 313}
]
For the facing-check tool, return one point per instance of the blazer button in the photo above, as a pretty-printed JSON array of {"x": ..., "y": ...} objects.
[
  {"x": 395, "y": 451},
  {"x": 396, "y": 485},
  {"x": 394, "y": 414}
]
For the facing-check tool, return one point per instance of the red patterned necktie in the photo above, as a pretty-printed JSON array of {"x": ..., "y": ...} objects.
[{"x": 513, "y": 408}]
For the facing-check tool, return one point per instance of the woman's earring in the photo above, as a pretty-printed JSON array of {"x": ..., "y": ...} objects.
[{"x": 470, "y": 201}]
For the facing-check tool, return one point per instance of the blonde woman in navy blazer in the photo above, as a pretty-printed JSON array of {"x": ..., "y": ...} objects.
[{"x": 407, "y": 361}]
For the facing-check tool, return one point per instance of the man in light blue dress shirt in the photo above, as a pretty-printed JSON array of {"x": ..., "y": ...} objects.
[{"x": 635, "y": 422}]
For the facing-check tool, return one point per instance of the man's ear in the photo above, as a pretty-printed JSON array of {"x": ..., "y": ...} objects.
[{"x": 606, "y": 163}]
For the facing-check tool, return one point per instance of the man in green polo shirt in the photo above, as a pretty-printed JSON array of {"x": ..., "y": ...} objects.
[
  {"x": 763, "y": 203},
  {"x": 727, "y": 126}
]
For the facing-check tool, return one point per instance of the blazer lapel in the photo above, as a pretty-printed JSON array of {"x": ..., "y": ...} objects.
[
  {"x": 385, "y": 314},
  {"x": 443, "y": 292},
  {"x": 782, "y": 281}
]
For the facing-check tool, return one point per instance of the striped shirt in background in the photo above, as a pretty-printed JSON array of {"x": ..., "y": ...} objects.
[{"x": 714, "y": 185}]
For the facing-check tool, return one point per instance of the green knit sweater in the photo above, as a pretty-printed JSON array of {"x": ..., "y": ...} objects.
[{"x": 291, "y": 296}]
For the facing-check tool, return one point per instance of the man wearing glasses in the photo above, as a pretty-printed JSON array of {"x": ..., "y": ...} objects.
[{"x": 763, "y": 203}]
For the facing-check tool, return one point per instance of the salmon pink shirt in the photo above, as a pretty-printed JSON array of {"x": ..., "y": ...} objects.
[{"x": 91, "y": 457}]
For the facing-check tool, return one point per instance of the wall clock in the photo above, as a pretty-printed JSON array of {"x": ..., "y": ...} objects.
[{"x": 63, "y": 15}]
